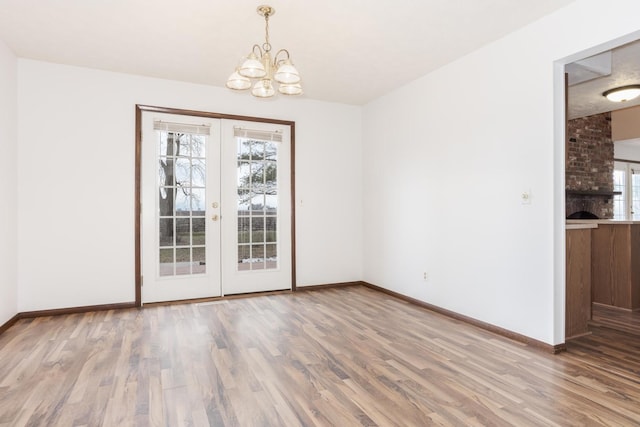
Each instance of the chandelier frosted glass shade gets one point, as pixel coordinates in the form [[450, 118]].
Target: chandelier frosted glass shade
[[263, 89], [622, 94], [287, 73], [279, 73], [238, 82], [292, 89], [252, 68]]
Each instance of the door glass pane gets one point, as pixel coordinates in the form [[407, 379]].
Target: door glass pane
[[271, 256], [257, 204], [183, 258], [181, 196], [182, 201], [183, 231], [619, 205], [635, 194], [244, 257], [183, 172], [198, 144], [270, 229], [197, 201], [243, 229], [166, 231], [198, 231], [199, 260], [257, 150], [257, 257], [257, 229], [166, 262], [199, 175]]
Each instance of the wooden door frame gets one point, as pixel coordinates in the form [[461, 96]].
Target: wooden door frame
[[138, 181]]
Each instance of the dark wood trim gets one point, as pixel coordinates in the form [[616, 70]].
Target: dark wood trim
[[76, 310], [183, 112], [214, 299], [137, 206], [329, 286], [138, 180], [566, 120], [480, 324], [603, 193], [9, 323], [293, 205], [613, 307], [626, 161]]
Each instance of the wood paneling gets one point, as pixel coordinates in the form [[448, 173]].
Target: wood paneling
[[634, 260], [344, 356], [615, 265], [578, 283]]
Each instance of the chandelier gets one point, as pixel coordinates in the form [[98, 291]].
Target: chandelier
[[259, 66]]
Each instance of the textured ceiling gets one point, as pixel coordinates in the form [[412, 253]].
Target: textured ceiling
[[585, 99], [349, 51]]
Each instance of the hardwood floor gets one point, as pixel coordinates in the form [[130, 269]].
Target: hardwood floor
[[616, 318], [332, 357]]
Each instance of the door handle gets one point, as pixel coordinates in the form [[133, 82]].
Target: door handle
[[214, 218]]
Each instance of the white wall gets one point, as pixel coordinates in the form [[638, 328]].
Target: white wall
[[8, 184], [76, 180], [625, 124], [627, 150], [447, 158]]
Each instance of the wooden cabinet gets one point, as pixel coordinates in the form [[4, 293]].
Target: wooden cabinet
[[615, 265], [578, 282]]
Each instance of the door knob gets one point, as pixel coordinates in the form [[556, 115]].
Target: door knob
[[214, 218]]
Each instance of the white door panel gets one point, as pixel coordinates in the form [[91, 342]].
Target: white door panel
[[256, 212], [180, 189], [216, 207]]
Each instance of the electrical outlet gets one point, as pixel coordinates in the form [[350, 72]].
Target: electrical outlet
[[425, 276]]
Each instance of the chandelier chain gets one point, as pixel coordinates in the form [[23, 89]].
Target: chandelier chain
[[266, 46]]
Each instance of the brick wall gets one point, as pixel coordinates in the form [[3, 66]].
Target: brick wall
[[590, 164]]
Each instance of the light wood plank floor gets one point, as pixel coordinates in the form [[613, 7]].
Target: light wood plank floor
[[333, 357]]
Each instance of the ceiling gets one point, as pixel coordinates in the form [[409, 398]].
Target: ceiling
[[585, 99], [348, 51]]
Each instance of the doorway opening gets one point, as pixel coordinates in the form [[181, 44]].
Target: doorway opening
[[596, 188]]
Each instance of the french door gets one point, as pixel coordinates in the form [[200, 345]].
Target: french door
[[216, 207]]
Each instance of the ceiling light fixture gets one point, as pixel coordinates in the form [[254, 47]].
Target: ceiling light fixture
[[259, 65], [622, 94]]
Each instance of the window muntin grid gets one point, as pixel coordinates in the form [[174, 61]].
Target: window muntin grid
[[181, 203], [257, 201]]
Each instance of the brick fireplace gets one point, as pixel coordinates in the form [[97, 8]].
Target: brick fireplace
[[589, 167]]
